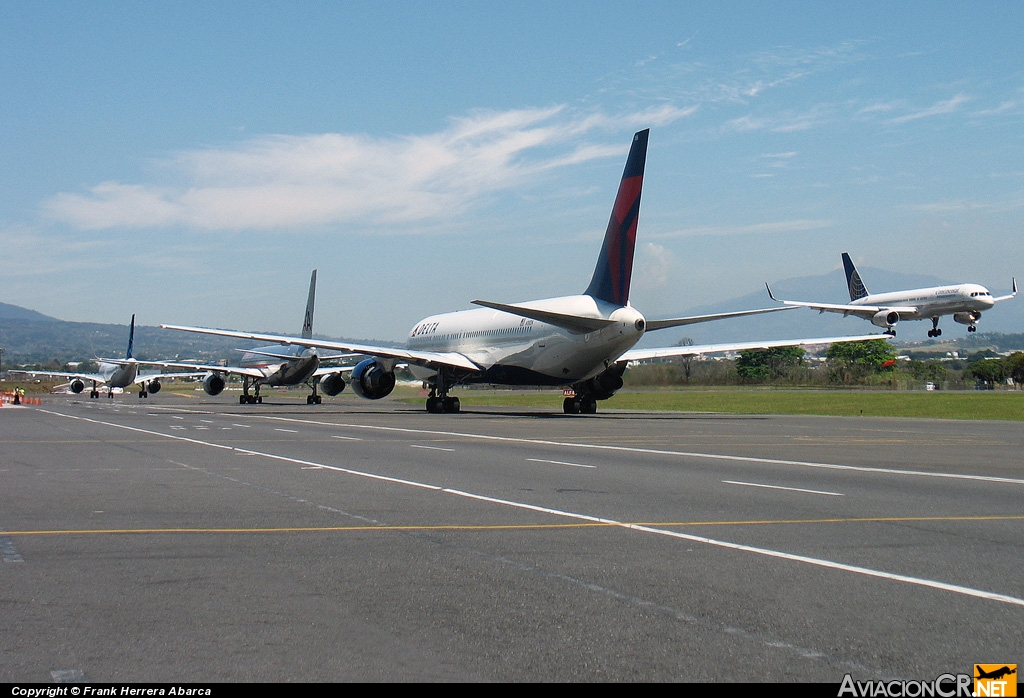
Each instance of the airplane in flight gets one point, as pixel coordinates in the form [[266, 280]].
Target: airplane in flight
[[274, 365], [116, 373], [582, 342], [965, 302]]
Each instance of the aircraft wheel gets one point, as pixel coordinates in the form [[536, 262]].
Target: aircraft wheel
[[319, 400], [259, 400], [571, 405], [588, 406], [452, 405], [309, 399], [972, 328]]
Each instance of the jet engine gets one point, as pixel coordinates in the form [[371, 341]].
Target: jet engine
[[154, 386], [332, 384], [77, 386], [885, 318], [372, 380], [603, 385], [967, 318], [213, 384]]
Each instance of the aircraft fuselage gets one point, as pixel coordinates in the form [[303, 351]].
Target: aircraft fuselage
[[514, 350]]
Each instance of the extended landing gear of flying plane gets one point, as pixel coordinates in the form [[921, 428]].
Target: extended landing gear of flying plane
[[935, 331], [972, 328], [579, 405]]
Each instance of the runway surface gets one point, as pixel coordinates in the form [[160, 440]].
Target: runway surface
[[175, 540]]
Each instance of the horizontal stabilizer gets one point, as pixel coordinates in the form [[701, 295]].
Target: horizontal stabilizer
[[573, 323], [694, 319]]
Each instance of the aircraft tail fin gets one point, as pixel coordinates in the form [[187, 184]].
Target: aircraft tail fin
[[307, 321], [853, 280], [131, 338], [615, 264]]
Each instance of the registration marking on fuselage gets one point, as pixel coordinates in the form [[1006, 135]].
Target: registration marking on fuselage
[[780, 487]]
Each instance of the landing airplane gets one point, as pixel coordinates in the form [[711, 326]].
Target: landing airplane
[[964, 302], [580, 342], [116, 373], [274, 365]]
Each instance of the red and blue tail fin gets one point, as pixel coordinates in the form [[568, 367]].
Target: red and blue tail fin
[[615, 265]]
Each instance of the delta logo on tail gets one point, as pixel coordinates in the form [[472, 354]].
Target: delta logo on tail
[[614, 269]]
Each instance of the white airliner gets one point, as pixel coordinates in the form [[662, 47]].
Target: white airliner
[[115, 373], [274, 365], [964, 302], [580, 342]]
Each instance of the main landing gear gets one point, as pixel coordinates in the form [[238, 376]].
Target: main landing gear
[[439, 402], [579, 405], [245, 398], [313, 399], [936, 332]]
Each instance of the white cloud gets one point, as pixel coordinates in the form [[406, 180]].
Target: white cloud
[[776, 227], [945, 107], [280, 181]]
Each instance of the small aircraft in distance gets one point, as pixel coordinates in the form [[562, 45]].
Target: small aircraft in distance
[[116, 373], [965, 302], [582, 343], [274, 365]]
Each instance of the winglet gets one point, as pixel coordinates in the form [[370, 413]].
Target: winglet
[[770, 294], [131, 338], [615, 264], [307, 321], [1006, 298]]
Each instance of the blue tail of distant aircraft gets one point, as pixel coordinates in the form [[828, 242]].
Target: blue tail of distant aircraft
[[131, 338], [853, 281], [307, 321], [615, 265]]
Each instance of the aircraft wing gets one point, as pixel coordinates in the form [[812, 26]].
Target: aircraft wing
[[420, 358], [142, 378], [694, 319], [1006, 298], [697, 349], [94, 377], [288, 357], [862, 311], [205, 368]]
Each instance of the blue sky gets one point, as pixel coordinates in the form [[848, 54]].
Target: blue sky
[[192, 162]]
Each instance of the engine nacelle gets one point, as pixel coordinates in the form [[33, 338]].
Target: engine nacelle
[[372, 380], [332, 384], [77, 386], [603, 385], [885, 318], [213, 384], [154, 386], [967, 318]]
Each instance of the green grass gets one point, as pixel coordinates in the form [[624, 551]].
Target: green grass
[[1007, 405]]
